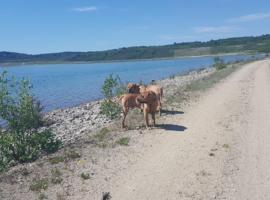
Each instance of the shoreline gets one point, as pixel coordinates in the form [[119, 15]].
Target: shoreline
[[74, 122], [16, 64]]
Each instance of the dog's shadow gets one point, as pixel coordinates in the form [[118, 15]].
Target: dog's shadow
[[172, 112], [172, 127]]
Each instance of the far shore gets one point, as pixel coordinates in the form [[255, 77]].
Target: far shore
[[13, 64]]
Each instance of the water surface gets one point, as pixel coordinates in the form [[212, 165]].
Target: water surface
[[66, 85]]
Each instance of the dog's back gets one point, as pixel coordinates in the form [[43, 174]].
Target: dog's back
[[129, 101]]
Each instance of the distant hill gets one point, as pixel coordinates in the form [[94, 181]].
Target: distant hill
[[252, 44]]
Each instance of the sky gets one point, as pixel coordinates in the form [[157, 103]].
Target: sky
[[46, 26]]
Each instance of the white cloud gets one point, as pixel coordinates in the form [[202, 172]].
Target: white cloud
[[85, 9], [251, 17], [215, 29]]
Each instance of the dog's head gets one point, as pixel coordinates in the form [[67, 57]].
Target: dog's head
[[133, 88], [147, 97]]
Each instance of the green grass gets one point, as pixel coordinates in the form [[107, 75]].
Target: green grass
[[57, 159], [40, 184], [56, 177], [101, 135], [124, 141], [72, 155], [208, 82]]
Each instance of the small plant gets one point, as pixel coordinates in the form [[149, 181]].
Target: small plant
[[112, 87], [110, 109], [85, 176], [42, 196], [102, 134], [124, 141], [219, 63], [38, 185], [25, 171], [226, 146], [73, 155], [56, 176], [57, 159]]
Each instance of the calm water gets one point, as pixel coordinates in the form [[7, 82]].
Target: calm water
[[66, 85]]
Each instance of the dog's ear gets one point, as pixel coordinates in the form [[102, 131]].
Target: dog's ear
[[129, 85]]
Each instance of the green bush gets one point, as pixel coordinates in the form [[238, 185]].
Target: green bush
[[110, 109], [20, 140], [219, 63], [112, 87]]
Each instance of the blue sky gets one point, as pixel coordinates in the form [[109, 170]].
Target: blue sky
[[39, 26]]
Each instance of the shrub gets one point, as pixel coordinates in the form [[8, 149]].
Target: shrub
[[21, 141], [112, 87], [219, 63], [110, 109]]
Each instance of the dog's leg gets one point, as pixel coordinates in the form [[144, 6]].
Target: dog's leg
[[159, 108], [125, 112], [153, 118], [145, 112]]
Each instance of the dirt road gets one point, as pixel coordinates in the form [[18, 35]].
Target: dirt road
[[217, 149]]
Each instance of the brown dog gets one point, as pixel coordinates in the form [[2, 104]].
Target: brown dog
[[149, 99], [158, 91], [129, 101], [133, 88]]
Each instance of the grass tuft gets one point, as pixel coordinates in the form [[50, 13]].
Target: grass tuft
[[38, 185], [72, 155], [57, 159], [85, 176], [124, 141]]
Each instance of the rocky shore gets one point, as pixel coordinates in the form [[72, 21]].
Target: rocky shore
[[73, 123]]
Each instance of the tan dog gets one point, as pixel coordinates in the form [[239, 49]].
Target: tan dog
[[149, 99], [133, 88], [157, 90], [129, 101]]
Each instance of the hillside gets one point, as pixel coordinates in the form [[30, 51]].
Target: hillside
[[258, 44]]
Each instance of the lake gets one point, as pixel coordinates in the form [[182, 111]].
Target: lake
[[67, 85]]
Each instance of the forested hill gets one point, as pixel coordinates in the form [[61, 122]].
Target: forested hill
[[231, 45]]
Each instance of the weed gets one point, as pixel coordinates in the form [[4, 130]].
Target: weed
[[219, 63], [57, 159], [124, 141], [40, 184], [85, 176], [72, 155], [25, 171], [56, 176], [42, 196], [102, 134]]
